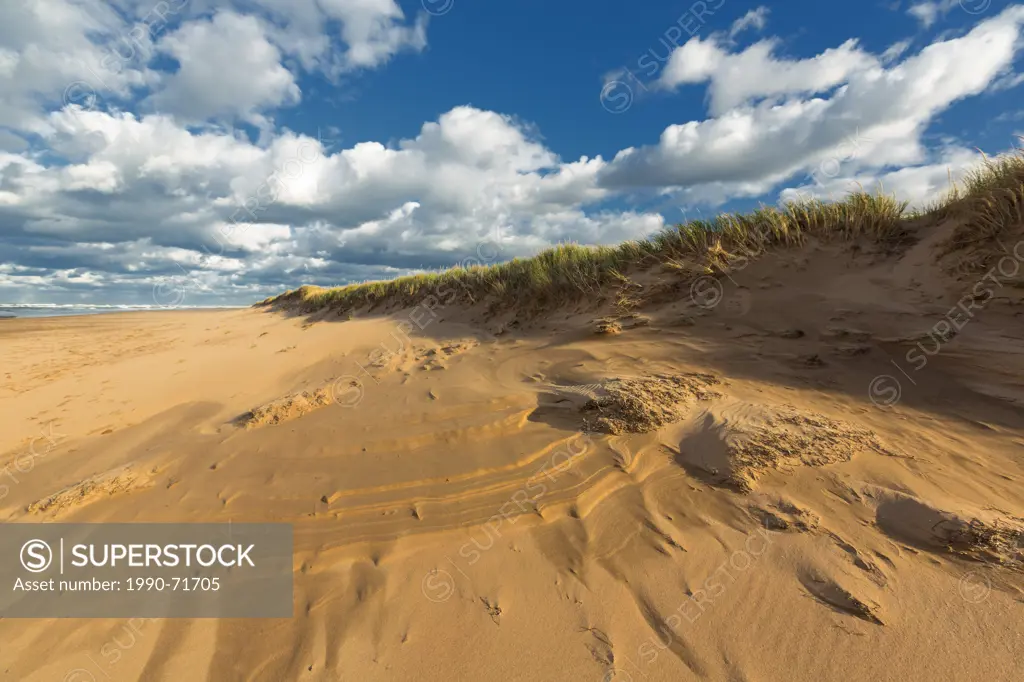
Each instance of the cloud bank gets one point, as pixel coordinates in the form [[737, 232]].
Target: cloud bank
[[120, 176]]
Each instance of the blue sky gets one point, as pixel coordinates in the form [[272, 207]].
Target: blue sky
[[196, 152], [544, 62]]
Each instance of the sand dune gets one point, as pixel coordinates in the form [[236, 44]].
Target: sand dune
[[772, 487]]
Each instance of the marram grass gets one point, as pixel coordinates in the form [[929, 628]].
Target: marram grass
[[987, 203]]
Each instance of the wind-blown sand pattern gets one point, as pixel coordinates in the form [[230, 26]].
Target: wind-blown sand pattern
[[746, 491]]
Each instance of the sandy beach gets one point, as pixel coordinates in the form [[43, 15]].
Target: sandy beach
[[763, 483], [523, 341]]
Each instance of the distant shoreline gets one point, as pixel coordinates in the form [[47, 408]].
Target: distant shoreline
[[18, 311]]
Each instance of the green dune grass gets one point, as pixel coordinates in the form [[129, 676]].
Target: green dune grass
[[987, 203]]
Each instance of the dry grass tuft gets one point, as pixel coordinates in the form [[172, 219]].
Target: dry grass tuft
[[989, 207]]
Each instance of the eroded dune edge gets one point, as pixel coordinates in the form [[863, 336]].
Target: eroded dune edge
[[798, 461]]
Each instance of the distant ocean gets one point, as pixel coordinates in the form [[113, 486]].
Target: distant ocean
[[9, 310]]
